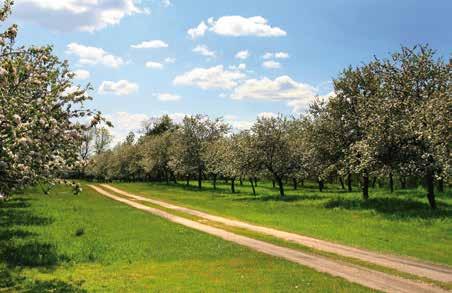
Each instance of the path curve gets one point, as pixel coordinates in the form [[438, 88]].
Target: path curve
[[363, 276], [415, 267]]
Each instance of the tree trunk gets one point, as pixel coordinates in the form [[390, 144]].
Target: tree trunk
[[321, 184], [255, 181], [302, 182], [215, 182], [342, 182], [233, 185], [430, 189], [349, 182], [295, 183], [188, 180], [441, 185], [241, 181], [273, 183], [281, 187], [402, 183], [391, 183], [374, 180], [365, 187], [252, 186], [199, 178]]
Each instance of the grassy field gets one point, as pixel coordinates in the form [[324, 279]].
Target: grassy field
[[399, 223], [67, 243]]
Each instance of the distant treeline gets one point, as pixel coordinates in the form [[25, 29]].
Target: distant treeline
[[389, 118]]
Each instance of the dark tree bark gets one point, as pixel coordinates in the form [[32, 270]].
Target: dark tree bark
[[302, 182], [241, 181], [349, 182], [441, 185], [215, 181], [321, 185], [342, 182], [365, 187], [391, 183], [255, 181], [188, 180], [374, 180], [233, 185], [273, 183], [402, 182], [295, 183], [281, 187], [252, 186], [199, 178], [430, 189]]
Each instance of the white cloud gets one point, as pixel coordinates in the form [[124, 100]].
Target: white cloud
[[203, 50], [277, 55], [83, 15], [167, 97], [93, 55], [170, 60], [152, 44], [241, 26], [166, 3], [123, 123], [119, 88], [242, 54], [81, 74], [270, 64], [209, 78], [301, 104], [267, 115], [282, 88], [198, 31], [281, 55], [241, 66], [154, 65]]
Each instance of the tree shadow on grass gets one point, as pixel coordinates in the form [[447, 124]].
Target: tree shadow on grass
[[393, 207], [19, 249], [287, 198]]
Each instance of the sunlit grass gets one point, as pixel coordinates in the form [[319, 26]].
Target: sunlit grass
[[68, 243], [400, 223]]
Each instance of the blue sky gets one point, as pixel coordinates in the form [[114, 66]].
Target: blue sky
[[293, 49]]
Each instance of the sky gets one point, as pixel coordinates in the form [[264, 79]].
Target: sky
[[232, 59]]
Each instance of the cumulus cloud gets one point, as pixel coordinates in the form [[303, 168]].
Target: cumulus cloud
[[242, 55], [154, 65], [167, 97], [82, 15], [152, 44], [203, 50], [277, 55], [301, 104], [93, 55], [237, 124], [124, 123], [119, 88], [198, 31], [282, 88], [166, 3], [270, 64], [210, 78], [267, 115], [170, 60], [241, 66], [81, 74], [237, 26]]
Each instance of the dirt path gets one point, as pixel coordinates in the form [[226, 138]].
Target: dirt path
[[415, 267], [366, 277]]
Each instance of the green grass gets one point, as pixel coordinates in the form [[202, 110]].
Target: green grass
[[67, 243], [399, 223]]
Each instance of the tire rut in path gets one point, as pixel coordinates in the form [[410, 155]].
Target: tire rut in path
[[352, 273], [410, 266]]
